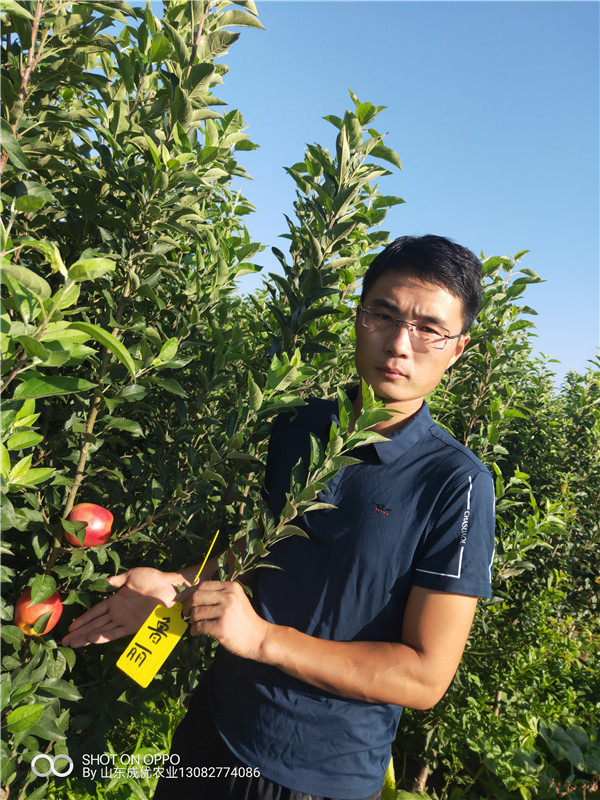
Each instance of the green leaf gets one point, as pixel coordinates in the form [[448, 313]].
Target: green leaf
[[256, 396], [38, 287], [47, 728], [26, 414], [70, 656], [562, 746], [386, 201], [42, 587], [51, 385], [36, 475], [389, 783], [41, 793], [236, 17], [18, 441], [12, 634], [34, 196], [153, 152], [67, 296], [4, 461], [317, 452], [90, 268], [20, 469], [160, 47], [13, 149], [345, 409], [39, 626], [354, 131], [493, 434], [134, 392], [170, 385], [28, 203], [23, 718], [169, 349], [50, 251], [123, 424], [15, 9], [61, 688], [63, 333], [178, 43], [22, 693], [335, 121], [368, 419], [32, 347], [292, 530], [386, 154], [109, 341]]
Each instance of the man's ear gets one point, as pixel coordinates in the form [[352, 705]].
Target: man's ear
[[462, 342]]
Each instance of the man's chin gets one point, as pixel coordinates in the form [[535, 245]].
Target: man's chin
[[389, 391], [388, 398]]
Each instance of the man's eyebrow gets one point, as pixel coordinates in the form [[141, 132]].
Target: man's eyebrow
[[383, 303]]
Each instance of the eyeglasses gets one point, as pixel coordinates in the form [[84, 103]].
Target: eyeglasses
[[427, 333]]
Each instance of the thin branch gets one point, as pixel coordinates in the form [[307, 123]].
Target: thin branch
[[198, 38]]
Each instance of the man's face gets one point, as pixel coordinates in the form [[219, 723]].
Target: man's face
[[401, 370]]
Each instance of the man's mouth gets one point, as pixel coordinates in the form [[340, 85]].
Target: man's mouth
[[390, 373]]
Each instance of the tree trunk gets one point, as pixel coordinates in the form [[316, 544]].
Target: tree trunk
[[421, 780]]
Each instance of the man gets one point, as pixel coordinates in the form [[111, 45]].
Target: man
[[372, 611]]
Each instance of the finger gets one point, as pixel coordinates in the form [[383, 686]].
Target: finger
[[205, 612], [108, 634], [202, 598], [205, 627], [181, 597], [90, 615], [93, 628], [99, 636], [116, 581], [217, 586]]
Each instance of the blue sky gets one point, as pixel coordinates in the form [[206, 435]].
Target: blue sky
[[493, 108]]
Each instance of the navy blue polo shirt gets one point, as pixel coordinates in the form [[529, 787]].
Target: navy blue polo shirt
[[417, 510]]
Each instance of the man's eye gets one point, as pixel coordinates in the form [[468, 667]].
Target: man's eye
[[429, 330], [383, 317]]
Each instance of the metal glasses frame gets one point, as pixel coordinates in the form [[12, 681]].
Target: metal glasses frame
[[412, 329]]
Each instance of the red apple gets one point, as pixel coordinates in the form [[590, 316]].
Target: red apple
[[99, 522], [26, 615]]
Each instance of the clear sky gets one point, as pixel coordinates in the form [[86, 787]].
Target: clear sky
[[493, 108]]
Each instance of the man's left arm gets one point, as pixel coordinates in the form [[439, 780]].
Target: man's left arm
[[415, 672]]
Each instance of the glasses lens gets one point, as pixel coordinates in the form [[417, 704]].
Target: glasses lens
[[432, 337], [376, 321], [382, 321]]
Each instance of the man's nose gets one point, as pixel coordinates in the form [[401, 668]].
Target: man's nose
[[399, 340]]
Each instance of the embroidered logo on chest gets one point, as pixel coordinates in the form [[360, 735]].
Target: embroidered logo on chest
[[381, 509]]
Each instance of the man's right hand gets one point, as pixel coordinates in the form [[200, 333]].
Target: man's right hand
[[139, 591]]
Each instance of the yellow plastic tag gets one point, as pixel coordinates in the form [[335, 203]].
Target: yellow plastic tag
[[157, 637]]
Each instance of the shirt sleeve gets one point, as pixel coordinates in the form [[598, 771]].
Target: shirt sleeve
[[458, 552]]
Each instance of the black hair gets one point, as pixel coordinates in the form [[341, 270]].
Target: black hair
[[437, 260]]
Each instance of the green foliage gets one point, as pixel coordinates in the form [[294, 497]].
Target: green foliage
[[121, 235], [134, 377], [131, 376]]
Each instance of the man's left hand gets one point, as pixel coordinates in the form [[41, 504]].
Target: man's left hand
[[222, 609]]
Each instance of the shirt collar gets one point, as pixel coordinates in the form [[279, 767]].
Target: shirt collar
[[403, 439]]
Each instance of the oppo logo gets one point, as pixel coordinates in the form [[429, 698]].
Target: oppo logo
[[52, 768]]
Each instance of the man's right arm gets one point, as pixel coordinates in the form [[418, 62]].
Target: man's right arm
[[139, 590]]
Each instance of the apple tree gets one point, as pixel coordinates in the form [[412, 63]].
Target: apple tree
[[132, 378]]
